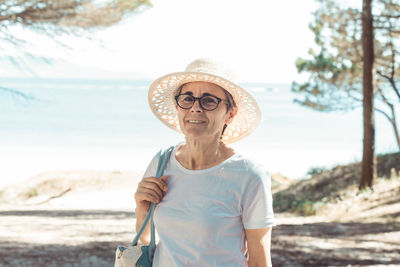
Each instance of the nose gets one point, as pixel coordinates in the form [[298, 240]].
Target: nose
[[196, 106]]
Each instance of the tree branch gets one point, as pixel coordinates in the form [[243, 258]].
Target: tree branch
[[391, 81], [383, 113], [392, 49], [385, 100], [18, 93], [72, 13], [389, 16]]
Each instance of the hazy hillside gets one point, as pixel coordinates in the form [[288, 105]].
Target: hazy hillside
[[339, 186]]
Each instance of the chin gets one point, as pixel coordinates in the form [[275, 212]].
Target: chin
[[193, 135], [199, 135]]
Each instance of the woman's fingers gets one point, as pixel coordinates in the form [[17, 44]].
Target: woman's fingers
[[147, 195], [151, 189], [161, 182], [164, 179]]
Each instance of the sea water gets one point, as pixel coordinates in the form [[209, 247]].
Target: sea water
[[107, 125]]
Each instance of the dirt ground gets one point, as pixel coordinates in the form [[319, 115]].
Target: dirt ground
[[83, 227], [312, 241], [82, 237]]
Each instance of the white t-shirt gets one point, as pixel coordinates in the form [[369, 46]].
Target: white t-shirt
[[201, 220]]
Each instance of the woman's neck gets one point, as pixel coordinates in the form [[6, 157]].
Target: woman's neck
[[201, 154]]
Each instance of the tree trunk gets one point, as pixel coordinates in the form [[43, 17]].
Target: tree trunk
[[368, 171]]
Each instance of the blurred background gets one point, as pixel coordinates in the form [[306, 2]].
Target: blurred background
[[76, 132], [81, 100]]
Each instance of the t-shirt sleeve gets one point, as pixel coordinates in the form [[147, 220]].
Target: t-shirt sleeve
[[257, 209], [152, 168]]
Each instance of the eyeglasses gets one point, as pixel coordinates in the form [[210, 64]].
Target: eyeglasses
[[206, 101]]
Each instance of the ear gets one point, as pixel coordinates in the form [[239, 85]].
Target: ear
[[232, 113]]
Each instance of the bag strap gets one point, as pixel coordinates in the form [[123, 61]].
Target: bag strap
[[162, 162]]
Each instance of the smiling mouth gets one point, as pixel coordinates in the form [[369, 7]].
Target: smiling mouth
[[195, 121]]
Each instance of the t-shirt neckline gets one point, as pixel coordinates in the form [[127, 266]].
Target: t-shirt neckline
[[181, 167]]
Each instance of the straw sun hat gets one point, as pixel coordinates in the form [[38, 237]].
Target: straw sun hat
[[162, 102]]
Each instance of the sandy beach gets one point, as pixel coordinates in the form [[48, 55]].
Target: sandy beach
[[70, 218], [78, 218]]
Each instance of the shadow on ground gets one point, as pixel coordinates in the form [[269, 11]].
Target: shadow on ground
[[29, 254], [336, 244], [90, 237]]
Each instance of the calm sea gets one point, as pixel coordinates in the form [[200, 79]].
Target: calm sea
[[107, 125]]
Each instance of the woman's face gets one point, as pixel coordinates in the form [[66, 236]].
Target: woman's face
[[197, 123]]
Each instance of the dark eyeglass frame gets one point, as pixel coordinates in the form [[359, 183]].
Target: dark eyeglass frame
[[219, 100]]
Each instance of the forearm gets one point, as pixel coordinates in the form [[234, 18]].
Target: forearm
[[265, 262], [259, 247], [140, 215]]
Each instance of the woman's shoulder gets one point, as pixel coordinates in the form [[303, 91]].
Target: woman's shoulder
[[247, 167], [152, 167], [171, 149]]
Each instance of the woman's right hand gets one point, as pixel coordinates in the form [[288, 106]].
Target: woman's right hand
[[150, 189]]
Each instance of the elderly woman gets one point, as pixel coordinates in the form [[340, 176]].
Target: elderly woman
[[214, 205]]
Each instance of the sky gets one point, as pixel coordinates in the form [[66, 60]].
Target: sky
[[259, 39]]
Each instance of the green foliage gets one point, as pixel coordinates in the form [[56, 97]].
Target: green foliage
[[316, 170], [32, 193], [335, 65], [335, 70], [321, 62], [337, 33], [303, 205], [326, 186], [306, 207], [54, 18], [388, 165], [70, 13]]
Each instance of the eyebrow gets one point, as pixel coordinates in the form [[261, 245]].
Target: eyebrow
[[191, 93]]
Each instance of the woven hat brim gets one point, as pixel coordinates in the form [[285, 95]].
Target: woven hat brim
[[161, 100]]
